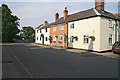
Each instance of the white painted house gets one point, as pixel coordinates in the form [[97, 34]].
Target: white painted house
[[42, 34], [93, 29], [37, 34]]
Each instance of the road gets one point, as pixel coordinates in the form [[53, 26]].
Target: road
[[23, 60]]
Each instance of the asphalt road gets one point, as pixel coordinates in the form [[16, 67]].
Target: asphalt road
[[21, 60]]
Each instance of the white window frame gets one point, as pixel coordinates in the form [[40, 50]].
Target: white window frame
[[111, 24], [71, 39], [54, 38], [54, 28], [61, 27], [86, 39], [110, 37], [72, 26], [60, 38]]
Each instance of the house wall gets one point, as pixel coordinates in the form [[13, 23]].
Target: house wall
[[105, 30], [46, 34], [83, 27], [57, 33], [37, 34]]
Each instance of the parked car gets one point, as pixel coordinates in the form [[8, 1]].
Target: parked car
[[116, 47]]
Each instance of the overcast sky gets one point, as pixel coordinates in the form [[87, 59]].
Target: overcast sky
[[35, 13]]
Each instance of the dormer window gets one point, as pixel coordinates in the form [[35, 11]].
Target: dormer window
[[111, 23], [72, 26]]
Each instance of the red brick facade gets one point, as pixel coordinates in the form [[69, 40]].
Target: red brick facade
[[59, 32]]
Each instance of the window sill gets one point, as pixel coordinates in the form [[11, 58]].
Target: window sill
[[60, 41]]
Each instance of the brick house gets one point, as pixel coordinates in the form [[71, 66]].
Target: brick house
[[58, 31]]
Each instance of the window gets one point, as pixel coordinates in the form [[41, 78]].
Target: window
[[54, 28], [117, 23], [110, 38], [40, 30], [54, 38], [37, 38], [119, 37], [71, 39], [40, 38], [86, 39], [72, 26], [61, 27], [46, 29], [60, 38], [46, 38], [37, 31], [111, 23]]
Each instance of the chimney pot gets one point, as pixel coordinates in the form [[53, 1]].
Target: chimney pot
[[65, 12], [56, 16], [45, 22], [99, 4]]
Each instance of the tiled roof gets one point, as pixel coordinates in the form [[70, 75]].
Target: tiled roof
[[86, 14], [46, 26], [82, 15], [39, 26]]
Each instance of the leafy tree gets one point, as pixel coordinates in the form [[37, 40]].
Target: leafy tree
[[28, 33], [10, 24]]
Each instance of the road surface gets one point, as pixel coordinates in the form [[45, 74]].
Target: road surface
[[23, 60]]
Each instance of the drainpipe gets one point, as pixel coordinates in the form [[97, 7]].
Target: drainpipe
[[115, 31], [63, 41]]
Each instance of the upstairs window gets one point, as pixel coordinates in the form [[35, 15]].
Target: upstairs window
[[86, 39], [40, 30], [111, 25], [46, 39], [72, 26], [60, 38], [61, 27], [110, 38], [46, 29], [54, 38], [54, 28]]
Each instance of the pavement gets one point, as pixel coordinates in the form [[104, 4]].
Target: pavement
[[29, 60], [78, 51]]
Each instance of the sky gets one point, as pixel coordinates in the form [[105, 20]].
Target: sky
[[35, 13]]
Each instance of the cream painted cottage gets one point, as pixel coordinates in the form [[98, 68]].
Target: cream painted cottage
[[94, 29]]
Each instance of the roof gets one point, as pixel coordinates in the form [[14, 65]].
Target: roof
[[46, 26], [39, 26], [82, 15], [86, 14]]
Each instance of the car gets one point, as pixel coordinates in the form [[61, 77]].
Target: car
[[116, 47]]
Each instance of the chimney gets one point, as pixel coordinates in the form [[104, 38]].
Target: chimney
[[65, 12], [99, 4], [45, 22], [56, 16]]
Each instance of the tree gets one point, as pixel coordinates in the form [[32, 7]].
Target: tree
[[28, 33], [10, 24]]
